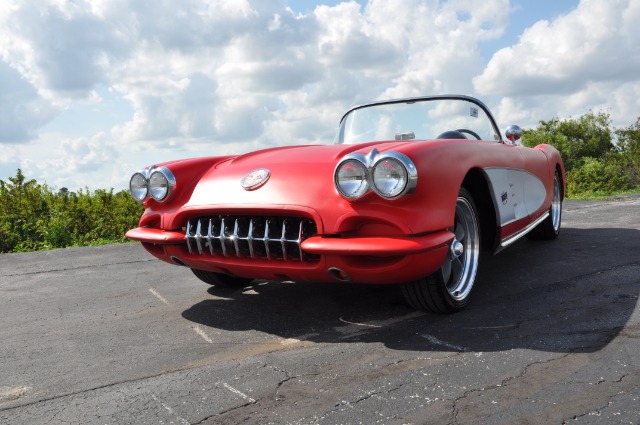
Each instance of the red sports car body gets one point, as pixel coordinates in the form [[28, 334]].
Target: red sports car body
[[410, 193]]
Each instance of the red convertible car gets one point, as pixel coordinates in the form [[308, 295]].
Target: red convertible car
[[409, 194]]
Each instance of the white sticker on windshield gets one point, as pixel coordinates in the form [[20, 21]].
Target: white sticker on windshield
[[474, 112]]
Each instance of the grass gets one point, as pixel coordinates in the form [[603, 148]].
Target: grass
[[604, 196]]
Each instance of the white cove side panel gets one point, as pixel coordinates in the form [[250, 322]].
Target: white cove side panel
[[516, 193]]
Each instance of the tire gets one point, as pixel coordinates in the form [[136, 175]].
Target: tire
[[449, 289], [549, 229], [221, 280]]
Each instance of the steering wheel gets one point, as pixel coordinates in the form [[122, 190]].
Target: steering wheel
[[473, 133]]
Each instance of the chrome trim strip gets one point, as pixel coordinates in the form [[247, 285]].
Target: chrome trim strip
[[511, 239]]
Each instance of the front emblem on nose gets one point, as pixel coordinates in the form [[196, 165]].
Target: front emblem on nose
[[255, 179]]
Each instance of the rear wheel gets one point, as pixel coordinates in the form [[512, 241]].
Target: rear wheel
[[550, 227], [448, 290], [221, 280]]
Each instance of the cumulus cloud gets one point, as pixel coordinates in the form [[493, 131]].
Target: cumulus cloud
[[226, 76], [588, 58]]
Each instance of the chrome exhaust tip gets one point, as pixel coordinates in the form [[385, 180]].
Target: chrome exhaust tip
[[178, 261], [338, 274]]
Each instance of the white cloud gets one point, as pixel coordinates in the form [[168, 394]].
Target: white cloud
[[226, 76], [586, 59]]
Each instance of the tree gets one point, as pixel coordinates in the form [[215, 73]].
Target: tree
[[588, 136], [629, 146], [34, 217]]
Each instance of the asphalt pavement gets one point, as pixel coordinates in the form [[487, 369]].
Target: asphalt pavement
[[110, 335]]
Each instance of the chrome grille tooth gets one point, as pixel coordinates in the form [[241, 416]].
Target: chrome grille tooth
[[209, 236], [265, 240], [188, 237], [235, 238], [223, 243], [299, 241], [283, 239], [199, 237], [250, 238]]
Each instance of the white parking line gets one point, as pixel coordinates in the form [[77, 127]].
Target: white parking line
[[170, 410], [196, 328], [158, 296], [238, 392], [9, 393], [202, 333]]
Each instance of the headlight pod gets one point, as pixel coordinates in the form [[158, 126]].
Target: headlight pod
[[390, 174], [156, 182]]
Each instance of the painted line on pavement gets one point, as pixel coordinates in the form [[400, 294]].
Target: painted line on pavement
[[170, 410], [158, 296], [238, 392]]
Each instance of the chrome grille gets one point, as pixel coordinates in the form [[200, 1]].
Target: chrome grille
[[271, 238]]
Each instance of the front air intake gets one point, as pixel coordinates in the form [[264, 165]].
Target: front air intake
[[270, 238]]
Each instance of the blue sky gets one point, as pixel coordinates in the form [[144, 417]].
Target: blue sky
[[94, 90]]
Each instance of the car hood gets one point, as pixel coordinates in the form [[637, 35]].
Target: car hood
[[299, 176]]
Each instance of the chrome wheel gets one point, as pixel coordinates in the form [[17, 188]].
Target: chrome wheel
[[556, 205], [549, 229], [449, 289], [461, 265]]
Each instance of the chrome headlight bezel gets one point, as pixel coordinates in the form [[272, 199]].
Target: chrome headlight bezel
[[139, 189], [160, 183], [407, 168], [389, 184], [370, 164], [342, 185]]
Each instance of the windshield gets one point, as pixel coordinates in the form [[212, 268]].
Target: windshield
[[418, 119]]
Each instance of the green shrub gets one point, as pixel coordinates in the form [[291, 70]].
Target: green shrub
[[35, 217]]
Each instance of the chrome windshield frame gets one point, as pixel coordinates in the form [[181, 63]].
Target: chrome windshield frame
[[473, 100]]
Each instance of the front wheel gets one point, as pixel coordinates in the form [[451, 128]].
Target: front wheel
[[221, 280], [448, 290]]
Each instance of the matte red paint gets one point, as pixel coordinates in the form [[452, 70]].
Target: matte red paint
[[373, 240]]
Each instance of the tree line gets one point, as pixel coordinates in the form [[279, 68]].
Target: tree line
[[599, 160], [35, 217]]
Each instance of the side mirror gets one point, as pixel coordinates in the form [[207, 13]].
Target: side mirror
[[513, 133]]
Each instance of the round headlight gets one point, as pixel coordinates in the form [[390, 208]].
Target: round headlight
[[139, 187], [389, 177], [158, 186], [351, 179]]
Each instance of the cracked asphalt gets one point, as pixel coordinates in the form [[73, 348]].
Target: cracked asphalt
[[109, 335]]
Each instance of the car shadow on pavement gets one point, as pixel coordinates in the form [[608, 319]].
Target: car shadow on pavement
[[574, 294]]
